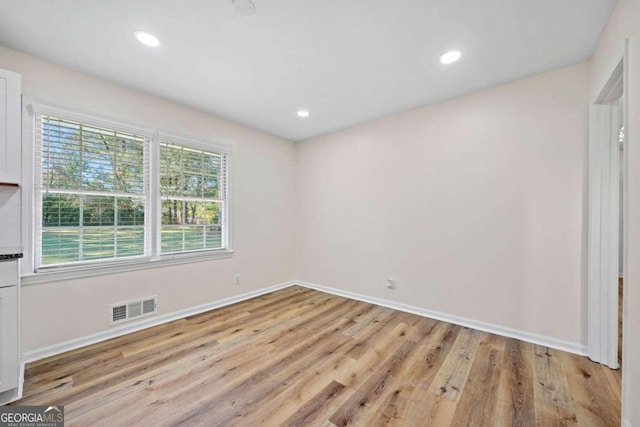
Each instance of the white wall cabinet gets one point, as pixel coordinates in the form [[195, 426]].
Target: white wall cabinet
[[9, 364], [10, 122]]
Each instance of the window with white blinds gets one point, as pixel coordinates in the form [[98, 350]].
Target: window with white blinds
[[99, 197], [193, 197], [92, 192]]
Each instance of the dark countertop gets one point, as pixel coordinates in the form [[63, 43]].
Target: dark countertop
[[11, 252]]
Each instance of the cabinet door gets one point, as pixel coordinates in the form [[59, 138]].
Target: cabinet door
[[9, 370], [8, 273], [10, 127]]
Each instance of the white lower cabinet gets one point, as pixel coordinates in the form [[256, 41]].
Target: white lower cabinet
[[9, 368]]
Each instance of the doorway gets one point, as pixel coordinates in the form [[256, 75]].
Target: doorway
[[606, 243], [621, 227]]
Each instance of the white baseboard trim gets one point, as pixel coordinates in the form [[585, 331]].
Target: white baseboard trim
[[44, 352], [571, 347]]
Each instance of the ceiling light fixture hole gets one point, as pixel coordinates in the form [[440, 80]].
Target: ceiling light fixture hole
[[244, 7]]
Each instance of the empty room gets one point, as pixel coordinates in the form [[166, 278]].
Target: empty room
[[319, 213]]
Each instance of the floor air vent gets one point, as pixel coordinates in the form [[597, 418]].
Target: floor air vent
[[130, 310]]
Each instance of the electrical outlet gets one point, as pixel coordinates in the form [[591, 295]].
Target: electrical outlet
[[391, 283], [237, 279]]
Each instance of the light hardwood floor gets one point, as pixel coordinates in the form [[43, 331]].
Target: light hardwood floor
[[299, 357]]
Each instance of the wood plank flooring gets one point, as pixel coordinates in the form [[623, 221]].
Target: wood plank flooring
[[299, 357]]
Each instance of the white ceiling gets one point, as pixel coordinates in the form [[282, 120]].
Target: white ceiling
[[346, 61]]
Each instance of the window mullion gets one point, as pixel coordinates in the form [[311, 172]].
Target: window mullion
[[184, 225], [81, 229], [183, 188], [80, 186], [204, 204], [115, 227], [204, 226], [153, 197]]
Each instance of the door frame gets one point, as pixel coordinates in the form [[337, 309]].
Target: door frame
[[604, 216]]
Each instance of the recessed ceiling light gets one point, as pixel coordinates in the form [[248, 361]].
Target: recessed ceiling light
[[303, 113], [147, 39], [450, 57]]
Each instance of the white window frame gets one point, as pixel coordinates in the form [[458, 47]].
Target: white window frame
[[156, 197], [152, 257], [37, 193]]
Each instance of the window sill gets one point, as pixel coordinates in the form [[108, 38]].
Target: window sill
[[99, 270]]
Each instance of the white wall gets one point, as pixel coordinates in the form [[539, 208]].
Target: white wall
[[625, 24], [475, 206], [263, 191]]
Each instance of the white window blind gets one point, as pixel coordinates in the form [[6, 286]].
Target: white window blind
[[91, 192], [193, 193]]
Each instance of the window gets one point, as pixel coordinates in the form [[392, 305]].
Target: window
[[107, 193], [192, 190], [92, 192]]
